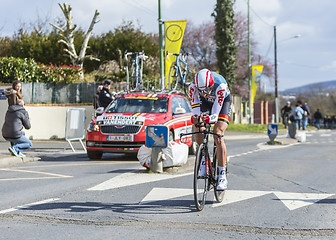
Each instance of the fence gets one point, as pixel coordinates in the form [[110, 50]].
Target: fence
[[35, 92], [263, 112], [63, 93]]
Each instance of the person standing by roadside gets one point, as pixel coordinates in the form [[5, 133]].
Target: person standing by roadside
[[14, 94], [105, 96], [285, 112], [318, 118], [298, 113], [96, 103], [305, 116], [16, 119]]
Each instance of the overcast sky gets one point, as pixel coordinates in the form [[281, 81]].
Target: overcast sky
[[308, 59]]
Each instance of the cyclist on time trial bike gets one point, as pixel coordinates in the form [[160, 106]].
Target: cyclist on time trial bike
[[211, 103]]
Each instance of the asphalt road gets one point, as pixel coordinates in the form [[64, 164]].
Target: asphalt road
[[275, 192]]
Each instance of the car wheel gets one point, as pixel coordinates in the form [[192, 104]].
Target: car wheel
[[94, 155]]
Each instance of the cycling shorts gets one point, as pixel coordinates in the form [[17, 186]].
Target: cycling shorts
[[224, 113]]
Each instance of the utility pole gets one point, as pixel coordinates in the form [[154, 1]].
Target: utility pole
[[162, 84], [249, 63], [276, 79]]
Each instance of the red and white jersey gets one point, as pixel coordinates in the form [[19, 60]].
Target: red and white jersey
[[220, 90]]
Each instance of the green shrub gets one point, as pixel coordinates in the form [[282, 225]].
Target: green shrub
[[17, 69], [27, 70]]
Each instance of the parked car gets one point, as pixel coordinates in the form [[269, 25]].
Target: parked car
[[122, 126]]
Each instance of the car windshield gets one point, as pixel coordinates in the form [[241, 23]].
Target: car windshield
[[138, 105]]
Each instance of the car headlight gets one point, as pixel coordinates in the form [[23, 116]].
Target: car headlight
[[93, 127]]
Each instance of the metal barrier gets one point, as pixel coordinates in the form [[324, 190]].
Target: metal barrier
[[75, 126]]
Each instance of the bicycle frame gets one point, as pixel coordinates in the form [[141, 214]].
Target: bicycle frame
[[137, 84], [182, 71], [210, 177]]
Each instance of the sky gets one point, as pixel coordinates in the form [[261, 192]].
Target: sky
[[309, 58]]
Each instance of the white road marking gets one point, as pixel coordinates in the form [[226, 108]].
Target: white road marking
[[161, 194], [133, 178], [297, 200], [28, 205], [291, 200], [232, 196]]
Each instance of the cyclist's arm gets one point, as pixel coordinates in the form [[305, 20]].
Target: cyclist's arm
[[222, 92], [195, 101]]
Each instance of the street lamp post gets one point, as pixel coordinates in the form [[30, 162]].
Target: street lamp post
[[277, 117], [276, 79]]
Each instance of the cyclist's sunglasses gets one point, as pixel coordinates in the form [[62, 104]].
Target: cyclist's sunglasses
[[205, 91]]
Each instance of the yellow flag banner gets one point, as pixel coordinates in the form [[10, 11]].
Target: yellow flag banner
[[174, 31], [256, 77]]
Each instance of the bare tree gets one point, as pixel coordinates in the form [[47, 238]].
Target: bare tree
[[67, 35], [200, 41]]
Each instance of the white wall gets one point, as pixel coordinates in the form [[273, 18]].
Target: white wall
[[47, 121]]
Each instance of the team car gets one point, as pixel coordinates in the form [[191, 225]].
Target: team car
[[122, 126]]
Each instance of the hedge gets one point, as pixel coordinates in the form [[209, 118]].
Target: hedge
[[27, 70]]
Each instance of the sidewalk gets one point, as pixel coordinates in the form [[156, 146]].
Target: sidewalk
[[40, 149], [55, 148]]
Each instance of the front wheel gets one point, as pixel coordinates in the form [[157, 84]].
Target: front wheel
[[200, 183], [94, 155]]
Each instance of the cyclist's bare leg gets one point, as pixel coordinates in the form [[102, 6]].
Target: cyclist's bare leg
[[220, 128], [198, 137]]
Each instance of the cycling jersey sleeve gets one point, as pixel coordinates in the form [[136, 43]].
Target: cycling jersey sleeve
[[195, 101], [222, 92]]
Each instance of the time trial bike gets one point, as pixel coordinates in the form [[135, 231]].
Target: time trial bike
[[203, 184]]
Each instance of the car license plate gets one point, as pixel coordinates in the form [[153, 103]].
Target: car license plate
[[123, 138]]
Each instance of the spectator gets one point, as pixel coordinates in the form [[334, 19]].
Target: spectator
[[285, 112], [16, 118], [298, 114], [96, 103], [318, 117], [14, 94], [306, 115], [105, 96]]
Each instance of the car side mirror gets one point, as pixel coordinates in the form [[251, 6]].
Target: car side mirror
[[99, 111], [179, 111]]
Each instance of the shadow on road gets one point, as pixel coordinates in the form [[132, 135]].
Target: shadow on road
[[159, 207]]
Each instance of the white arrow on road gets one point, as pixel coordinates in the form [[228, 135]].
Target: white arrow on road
[[232, 196], [291, 200], [133, 178], [297, 200], [161, 194]]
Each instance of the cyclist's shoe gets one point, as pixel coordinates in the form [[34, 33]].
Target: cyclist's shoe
[[202, 170], [222, 180], [222, 184]]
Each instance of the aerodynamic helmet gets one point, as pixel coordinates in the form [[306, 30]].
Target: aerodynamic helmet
[[204, 80]]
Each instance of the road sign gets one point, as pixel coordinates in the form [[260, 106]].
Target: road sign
[[156, 136], [272, 129]]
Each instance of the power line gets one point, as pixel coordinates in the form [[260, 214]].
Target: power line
[[140, 7], [260, 18], [269, 47]]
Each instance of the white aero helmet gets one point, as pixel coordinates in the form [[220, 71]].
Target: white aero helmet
[[204, 80]]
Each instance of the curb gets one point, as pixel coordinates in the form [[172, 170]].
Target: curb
[[12, 160]]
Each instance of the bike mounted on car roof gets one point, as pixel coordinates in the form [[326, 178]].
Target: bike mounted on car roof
[[180, 76], [134, 76]]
